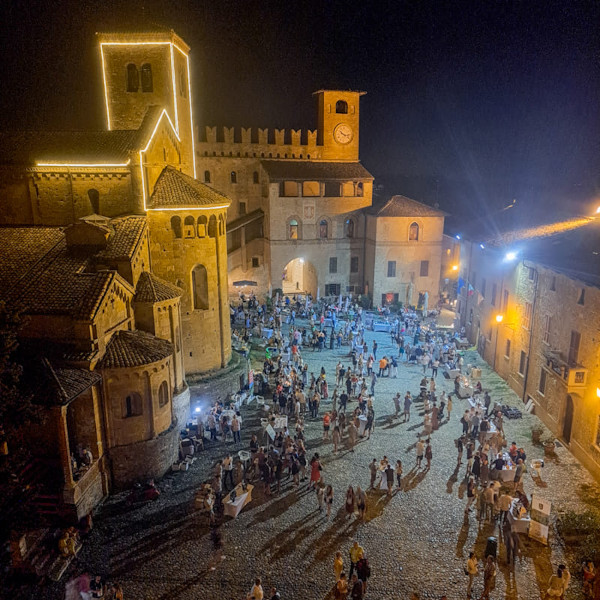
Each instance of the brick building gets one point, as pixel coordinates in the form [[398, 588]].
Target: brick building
[[532, 306]]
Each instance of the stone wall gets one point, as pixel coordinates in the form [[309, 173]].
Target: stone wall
[[218, 385]]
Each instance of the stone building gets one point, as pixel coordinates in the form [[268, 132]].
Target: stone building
[[117, 255], [532, 306]]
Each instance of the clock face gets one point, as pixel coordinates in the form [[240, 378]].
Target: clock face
[[342, 134]]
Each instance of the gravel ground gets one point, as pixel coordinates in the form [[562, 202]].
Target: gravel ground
[[417, 540]]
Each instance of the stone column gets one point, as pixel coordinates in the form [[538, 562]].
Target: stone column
[[60, 414]]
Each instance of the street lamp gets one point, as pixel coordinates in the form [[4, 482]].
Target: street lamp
[[499, 319], [455, 267]]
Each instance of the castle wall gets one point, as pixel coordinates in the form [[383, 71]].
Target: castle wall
[[15, 197]]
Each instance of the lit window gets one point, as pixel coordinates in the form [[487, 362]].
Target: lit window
[[293, 229], [323, 229], [349, 227], [413, 232], [233, 177]]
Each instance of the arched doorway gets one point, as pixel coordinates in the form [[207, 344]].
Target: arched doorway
[[299, 276], [568, 420]]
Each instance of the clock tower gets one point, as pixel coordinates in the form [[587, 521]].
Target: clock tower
[[337, 131]]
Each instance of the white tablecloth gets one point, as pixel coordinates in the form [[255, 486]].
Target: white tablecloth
[[233, 509], [362, 424], [519, 525], [280, 423]]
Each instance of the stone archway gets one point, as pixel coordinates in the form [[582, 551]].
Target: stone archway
[[299, 276]]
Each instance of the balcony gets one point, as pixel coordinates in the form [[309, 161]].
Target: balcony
[[573, 376]]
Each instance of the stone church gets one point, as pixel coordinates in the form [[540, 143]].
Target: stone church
[[122, 246]]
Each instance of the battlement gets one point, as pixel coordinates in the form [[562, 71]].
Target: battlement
[[257, 142]]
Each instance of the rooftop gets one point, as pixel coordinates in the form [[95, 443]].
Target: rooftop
[[401, 206], [151, 288], [134, 349], [279, 170], [174, 188]]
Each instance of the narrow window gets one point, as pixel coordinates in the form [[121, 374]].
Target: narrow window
[[527, 315], [547, 325], [360, 189], [581, 300], [233, 177], [574, 348], [94, 196], [424, 268], [201, 226], [146, 78], [341, 107], [176, 226], [522, 363], [391, 268], [255, 262], [413, 232], [242, 208], [333, 264], [206, 176], [293, 229], [349, 227], [507, 349], [323, 229], [200, 287], [212, 226], [354, 264], [542, 384], [505, 302], [183, 88], [133, 78], [132, 407], [188, 227], [163, 394], [531, 274], [255, 177]]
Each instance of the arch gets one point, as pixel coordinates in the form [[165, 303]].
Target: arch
[[200, 288], [133, 78], [94, 196], [206, 176], [221, 225], [255, 177], [233, 177], [568, 419], [323, 228], [132, 405], [349, 227], [294, 229], [212, 226], [360, 190], [176, 226], [341, 107], [202, 223], [163, 394], [299, 276], [188, 227], [414, 232], [147, 85]]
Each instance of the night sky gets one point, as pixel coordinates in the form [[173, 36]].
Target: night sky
[[469, 104]]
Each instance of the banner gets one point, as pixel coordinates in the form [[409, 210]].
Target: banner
[[540, 518]]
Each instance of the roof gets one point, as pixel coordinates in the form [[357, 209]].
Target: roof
[[62, 384], [151, 288], [134, 349], [174, 188], [141, 32], [32, 147], [401, 206], [245, 220], [314, 170], [128, 233]]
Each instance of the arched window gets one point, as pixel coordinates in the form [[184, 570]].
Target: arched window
[[212, 226], [146, 78], [176, 226], [359, 189], [200, 287], [188, 227], [349, 228], [233, 177], [206, 176], [341, 107], [255, 177], [132, 406], [133, 78], [323, 229], [222, 223], [202, 222], [293, 229], [413, 232], [94, 196], [163, 394]]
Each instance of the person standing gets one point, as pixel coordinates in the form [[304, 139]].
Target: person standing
[[361, 502], [407, 403], [373, 382], [228, 471], [349, 504], [397, 404], [472, 570], [389, 473], [315, 471], [449, 406], [326, 426], [338, 565], [352, 435], [459, 447], [373, 469], [471, 494], [257, 591], [328, 499], [489, 578], [336, 438], [420, 450], [428, 454], [235, 428], [357, 588], [399, 474], [375, 349], [356, 553], [320, 497], [341, 587]]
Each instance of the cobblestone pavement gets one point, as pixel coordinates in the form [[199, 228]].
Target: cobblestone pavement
[[417, 540]]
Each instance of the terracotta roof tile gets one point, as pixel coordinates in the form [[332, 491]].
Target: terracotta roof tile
[[401, 206], [314, 170], [151, 288], [65, 383], [174, 188], [134, 349], [128, 233]]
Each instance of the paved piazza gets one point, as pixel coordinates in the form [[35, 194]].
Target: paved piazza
[[417, 540]]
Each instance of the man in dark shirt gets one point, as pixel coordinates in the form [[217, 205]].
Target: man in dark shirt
[[97, 587], [343, 401], [356, 590]]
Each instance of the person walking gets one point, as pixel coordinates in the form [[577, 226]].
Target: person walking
[[472, 570], [326, 426], [357, 588], [471, 494], [336, 437], [428, 455], [315, 471], [399, 474], [489, 578], [397, 404], [235, 428], [407, 403], [352, 435], [389, 474], [420, 450], [373, 469], [341, 587], [356, 553], [449, 406], [361, 502], [460, 448], [349, 504], [338, 565], [328, 499], [320, 497], [257, 590]]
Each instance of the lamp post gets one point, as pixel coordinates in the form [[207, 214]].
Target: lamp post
[[499, 319]]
